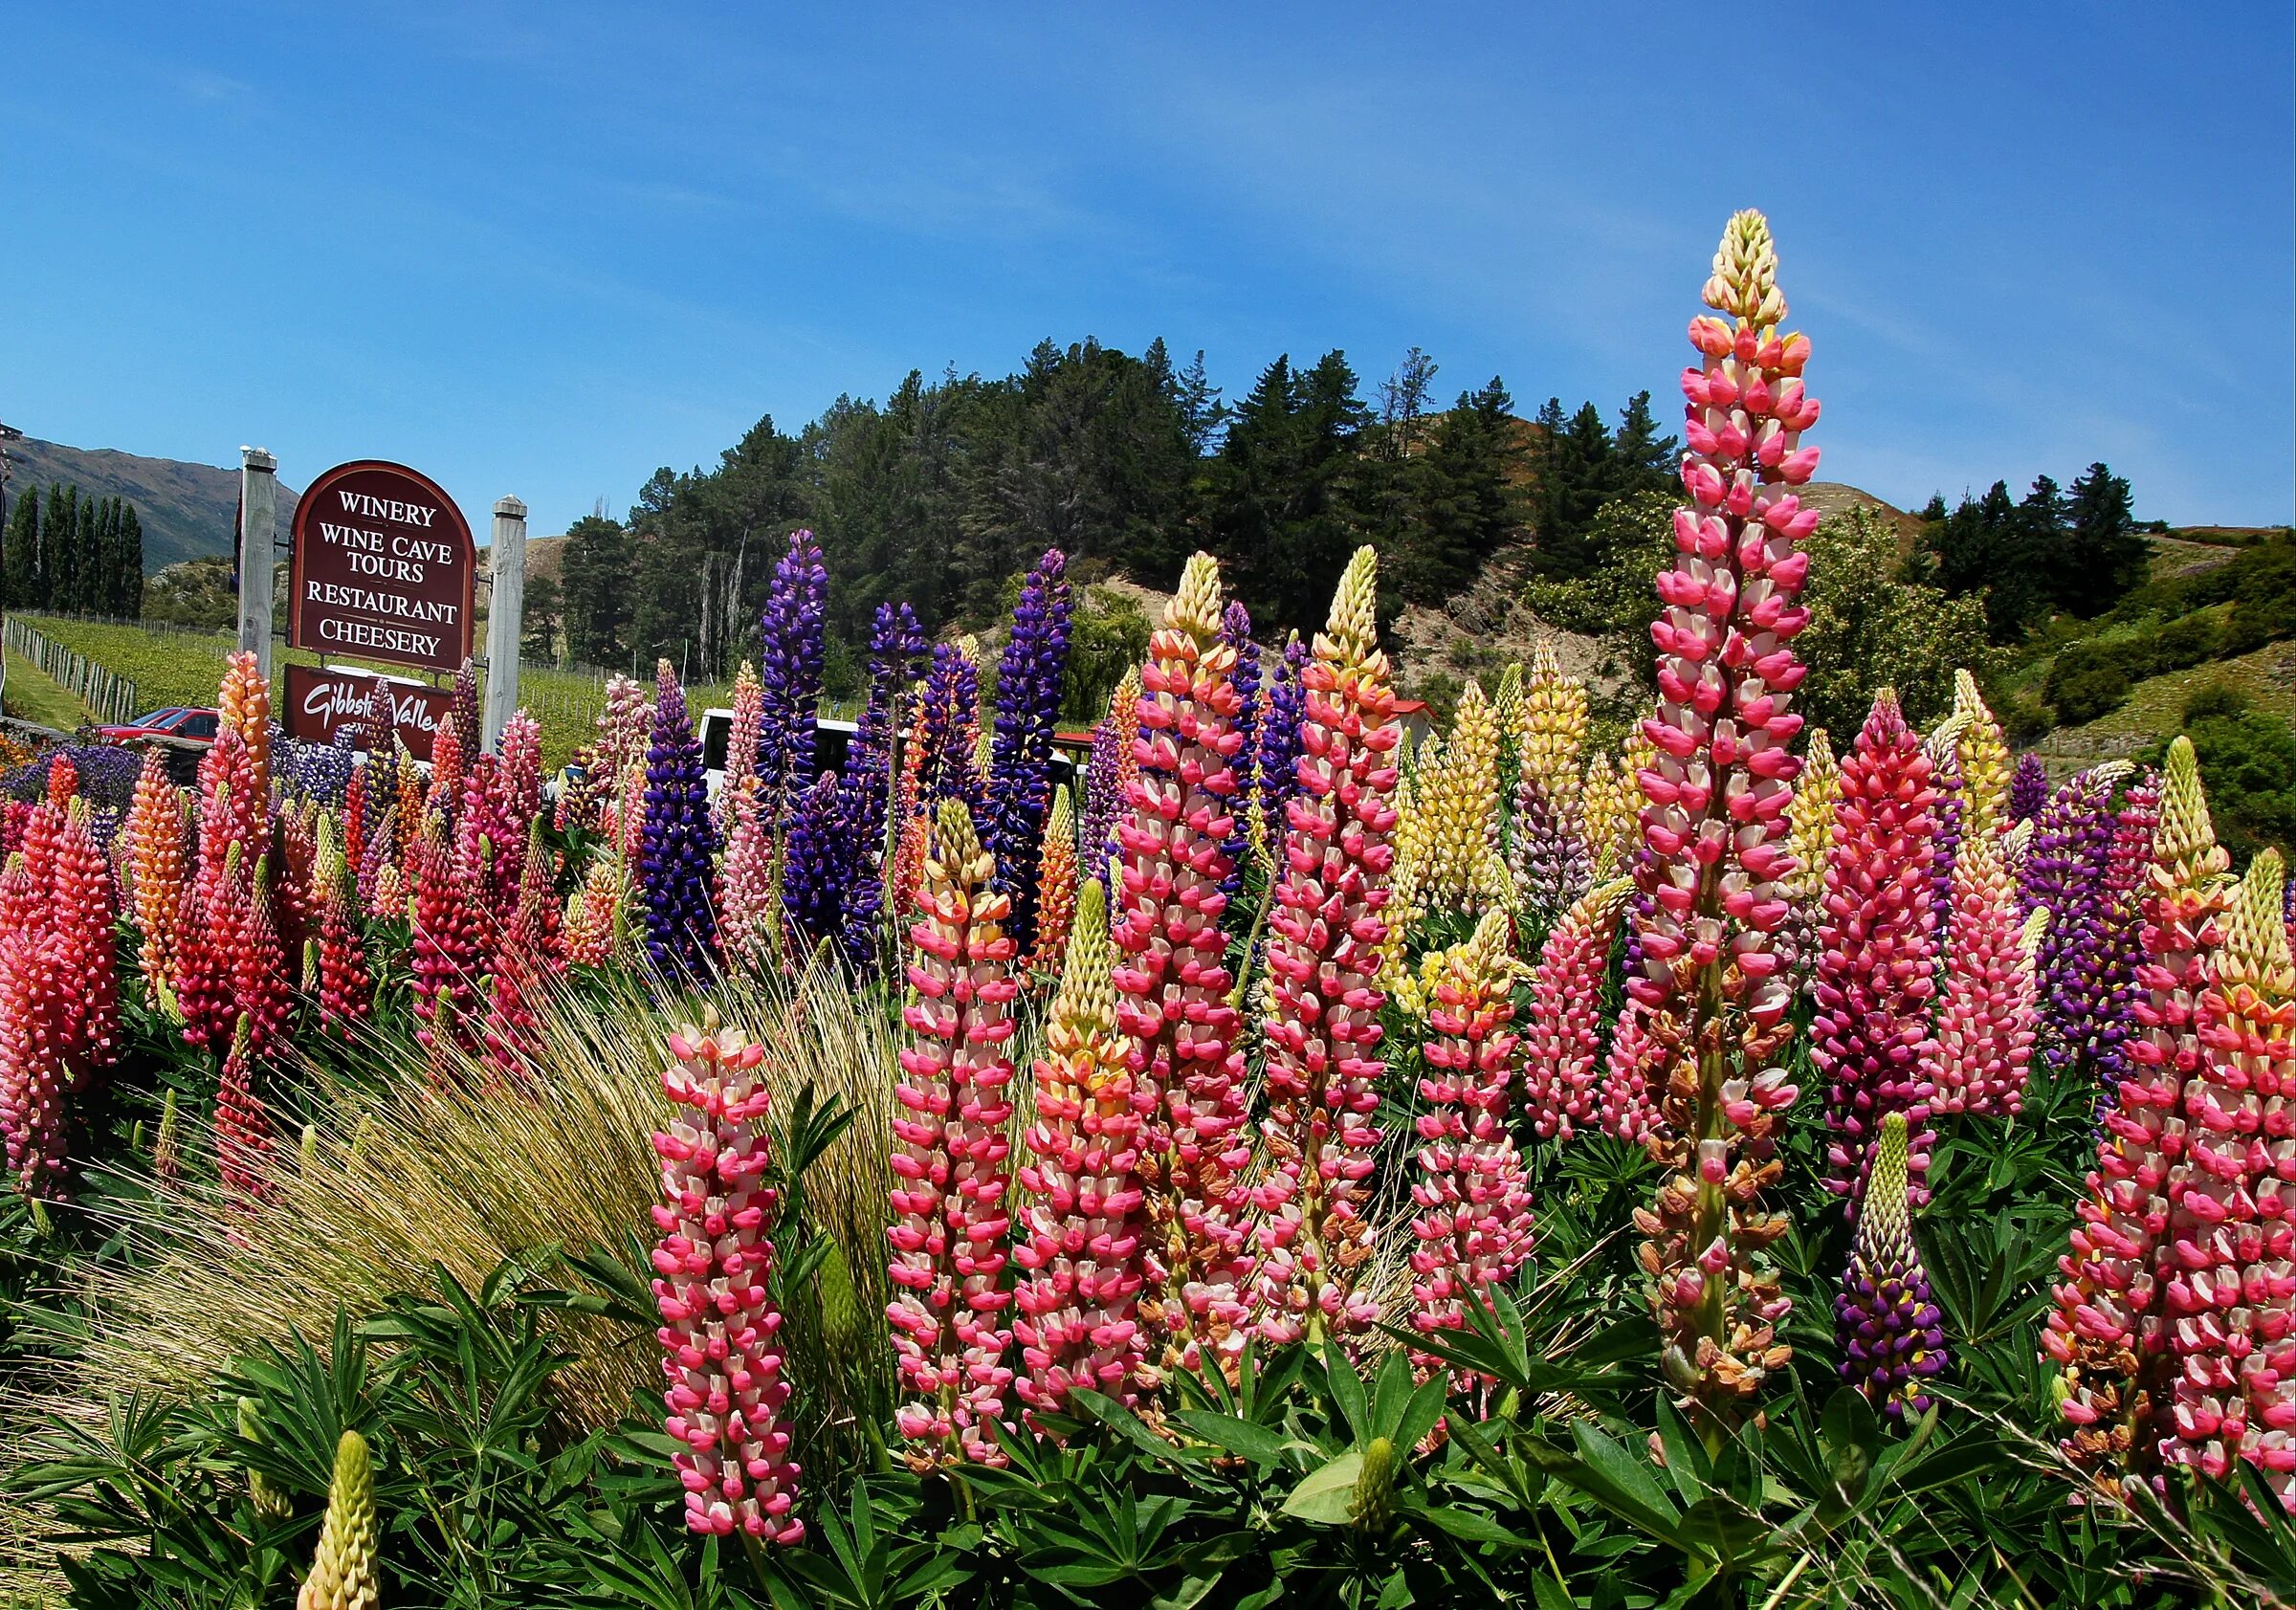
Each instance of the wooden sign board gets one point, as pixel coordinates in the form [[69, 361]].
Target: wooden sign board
[[383, 568], [374, 706]]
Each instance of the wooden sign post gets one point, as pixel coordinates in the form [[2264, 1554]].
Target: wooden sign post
[[503, 610], [258, 518]]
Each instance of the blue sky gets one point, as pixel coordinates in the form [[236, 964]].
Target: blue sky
[[543, 250]]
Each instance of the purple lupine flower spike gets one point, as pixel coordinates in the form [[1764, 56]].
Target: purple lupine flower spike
[[1945, 846], [1892, 1335], [817, 873], [1235, 630], [1019, 755], [896, 644], [789, 669], [2028, 788], [676, 840], [1279, 736], [2087, 974], [946, 725]]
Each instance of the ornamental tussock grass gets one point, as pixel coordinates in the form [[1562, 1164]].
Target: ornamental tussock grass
[[553, 1170]]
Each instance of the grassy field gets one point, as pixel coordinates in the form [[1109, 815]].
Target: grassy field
[[33, 695], [174, 667]]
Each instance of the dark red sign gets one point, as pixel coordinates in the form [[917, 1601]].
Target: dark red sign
[[374, 706], [384, 568]]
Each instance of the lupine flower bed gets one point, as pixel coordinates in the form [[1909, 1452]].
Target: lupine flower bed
[[1295, 1167]]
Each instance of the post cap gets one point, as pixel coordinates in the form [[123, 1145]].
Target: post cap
[[510, 508], [258, 458]]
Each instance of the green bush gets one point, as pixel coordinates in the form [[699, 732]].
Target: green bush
[[2213, 697], [2084, 686], [2183, 643]]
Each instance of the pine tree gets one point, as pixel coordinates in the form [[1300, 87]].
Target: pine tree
[[1577, 475], [595, 578], [20, 566], [2107, 555], [1641, 459]]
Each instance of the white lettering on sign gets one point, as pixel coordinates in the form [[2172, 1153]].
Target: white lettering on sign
[[396, 606], [387, 508], [360, 634], [351, 537]]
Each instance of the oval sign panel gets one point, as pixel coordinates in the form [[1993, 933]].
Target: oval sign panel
[[384, 568]]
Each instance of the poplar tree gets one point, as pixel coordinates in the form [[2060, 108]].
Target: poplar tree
[[20, 569]]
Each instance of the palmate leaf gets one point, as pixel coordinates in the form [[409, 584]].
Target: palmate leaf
[[1261, 1444]]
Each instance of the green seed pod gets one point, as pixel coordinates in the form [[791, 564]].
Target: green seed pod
[[344, 1573], [270, 1499], [1374, 1507]]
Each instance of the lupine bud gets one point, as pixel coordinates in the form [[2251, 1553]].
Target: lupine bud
[[272, 1501], [1565, 1035], [1717, 790], [949, 1157], [346, 1571], [1372, 1506], [1473, 1191], [1322, 1027], [1877, 969], [713, 1268], [1081, 1240], [1892, 1334]]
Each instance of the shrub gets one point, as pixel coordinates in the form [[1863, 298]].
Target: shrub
[[2214, 698], [2083, 687]]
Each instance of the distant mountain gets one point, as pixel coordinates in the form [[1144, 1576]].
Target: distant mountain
[[186, 509]]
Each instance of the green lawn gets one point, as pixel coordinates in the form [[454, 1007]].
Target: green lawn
[[33, 695]]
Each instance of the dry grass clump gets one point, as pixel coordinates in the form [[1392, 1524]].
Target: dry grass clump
[[403, 1174]]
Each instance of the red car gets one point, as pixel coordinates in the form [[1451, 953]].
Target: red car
[[176, 721]]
